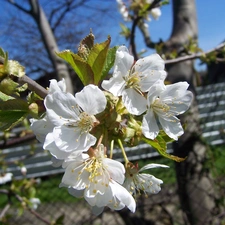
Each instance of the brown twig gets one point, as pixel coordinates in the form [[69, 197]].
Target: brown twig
[[134, 25], [20, 199], [4, 211], [195, 55], [33, 86], [18, 140]]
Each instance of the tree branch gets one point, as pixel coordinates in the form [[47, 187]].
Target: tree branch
[[68, 7], [18, 6], [4, 211], [20, 199], [58, 21], [32, 85], [134, 25], [194, 56], [17, 140], [50, 43], [144, 30]]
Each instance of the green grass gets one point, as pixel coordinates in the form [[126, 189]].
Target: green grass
[[216, 165], [48, 191]]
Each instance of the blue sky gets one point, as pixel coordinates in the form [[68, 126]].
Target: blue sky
[[210, 14], [211, 23]]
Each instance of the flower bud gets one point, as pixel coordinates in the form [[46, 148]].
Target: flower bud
[[23, 170]]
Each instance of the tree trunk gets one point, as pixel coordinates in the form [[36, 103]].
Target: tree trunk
[[50, 44], [195, 185]]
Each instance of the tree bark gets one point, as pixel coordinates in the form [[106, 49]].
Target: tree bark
[[50, 43], [195, 185]]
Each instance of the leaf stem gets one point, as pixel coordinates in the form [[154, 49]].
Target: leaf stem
[[123, 152]]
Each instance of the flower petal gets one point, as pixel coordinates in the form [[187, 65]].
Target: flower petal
[[151, 79], [148, 183], [135, 103], [151, 62], [115, 84], [57, 86], [150, 69], [115, 169], [97, 210], [56, 162], [61, 107], [172, 127], [41, 128], [50, 145], [152, 165], [71, 138], [150, 127], [124, 197], [91, 99], [76, 193], [155, 91], [75, 176], [95, 198], [177, 97], [123, 61], [123, 64], [156, 13]]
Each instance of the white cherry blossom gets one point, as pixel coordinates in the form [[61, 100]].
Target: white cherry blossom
[[69, 119], [123, 10], [34, 203], [137, 182], [73, 118], [155, 12], [57, 86], [43, 126], [165, 102], [5, 178], [130, 79], [98, 179]]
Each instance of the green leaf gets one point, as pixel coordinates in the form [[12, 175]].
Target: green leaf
[[86, 45], [12, 112], [79, 65], [125, 31], [165, 2], [13, 67], [22, 88], [2, 53], [97, 57], [109, 62], [8, 86], [143, 12], [33, 97], [4, 97], [160, 145], [165, 137]]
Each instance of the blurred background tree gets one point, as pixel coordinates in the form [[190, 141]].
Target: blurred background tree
[[34, 30]]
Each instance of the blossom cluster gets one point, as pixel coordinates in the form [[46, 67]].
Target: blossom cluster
[[78, 129], [124, 11]]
